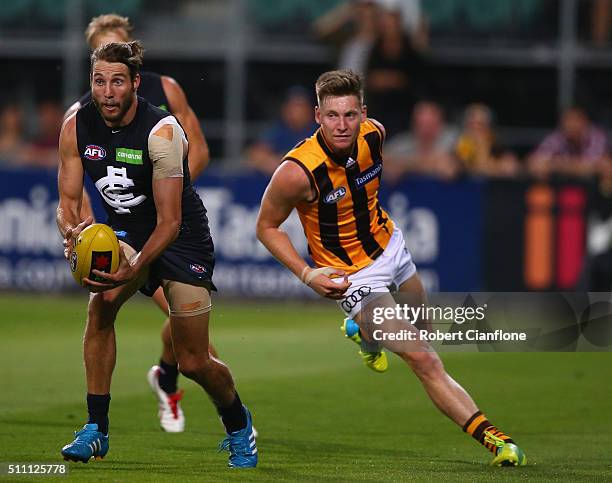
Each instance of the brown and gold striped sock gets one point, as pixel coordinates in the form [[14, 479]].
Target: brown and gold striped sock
[[478, 424]]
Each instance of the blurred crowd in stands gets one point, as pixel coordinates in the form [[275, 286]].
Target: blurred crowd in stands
[[387, 42], [26, 143]]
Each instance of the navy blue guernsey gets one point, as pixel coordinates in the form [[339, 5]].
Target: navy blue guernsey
[[117, 160], [150, 88]]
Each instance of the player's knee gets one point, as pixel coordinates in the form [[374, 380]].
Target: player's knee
[[426, 365], [195, 367], [102, 310], [166, 333]]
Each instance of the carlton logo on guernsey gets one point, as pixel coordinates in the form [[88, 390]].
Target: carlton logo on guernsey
[[344, 223]]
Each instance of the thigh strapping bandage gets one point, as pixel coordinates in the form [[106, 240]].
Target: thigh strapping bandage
[[186, 300]]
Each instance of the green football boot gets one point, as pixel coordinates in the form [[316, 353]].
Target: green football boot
[[508, 454], [377, 361]]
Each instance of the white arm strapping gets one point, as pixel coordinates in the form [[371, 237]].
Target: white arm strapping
[[309, 274], [167, 154]]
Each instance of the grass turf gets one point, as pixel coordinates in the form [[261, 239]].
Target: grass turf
[[322, 416]]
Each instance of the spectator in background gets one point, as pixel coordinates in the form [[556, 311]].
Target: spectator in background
[[601, 17], [355, 24], [478, 148], [395, 73], [295, 124], [414, 22], [42, 150], [12, 141], [576, 148], [426, 149]]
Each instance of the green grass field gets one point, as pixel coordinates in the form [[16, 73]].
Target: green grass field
[[321, 415]]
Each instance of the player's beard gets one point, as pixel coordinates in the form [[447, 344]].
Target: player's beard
[[119, 115]]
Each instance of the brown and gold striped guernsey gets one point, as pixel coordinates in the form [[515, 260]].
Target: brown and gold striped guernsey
[[345, 225]]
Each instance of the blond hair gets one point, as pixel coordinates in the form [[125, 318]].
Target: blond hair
[[109, 22], [337, 83]]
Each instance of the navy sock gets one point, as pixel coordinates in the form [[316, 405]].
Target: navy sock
[[97, 407], [167, 377], [233, 416]]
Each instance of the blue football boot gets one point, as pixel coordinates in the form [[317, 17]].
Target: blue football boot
[[241, 445], [89, 443]]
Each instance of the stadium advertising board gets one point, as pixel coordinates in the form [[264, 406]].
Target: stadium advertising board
[[442, 224], [535, 235], [31, 252]]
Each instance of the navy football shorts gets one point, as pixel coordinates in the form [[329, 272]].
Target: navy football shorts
[[187, 260]]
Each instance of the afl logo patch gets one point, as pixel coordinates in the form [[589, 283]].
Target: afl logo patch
[[94, 153], [197, 268], [335, 195], [73, 261]]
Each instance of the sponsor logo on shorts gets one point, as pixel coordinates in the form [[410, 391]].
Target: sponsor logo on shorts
[[94, 152], [129, 156], [73, 261], [368, 175], [351, 301], [335, 195], [121, 233], [197, 268]]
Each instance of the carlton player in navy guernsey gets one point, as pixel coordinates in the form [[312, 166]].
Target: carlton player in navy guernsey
[[136, 155], [164, 92]]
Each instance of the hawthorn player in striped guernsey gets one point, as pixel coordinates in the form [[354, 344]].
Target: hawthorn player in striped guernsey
[[332, 179]]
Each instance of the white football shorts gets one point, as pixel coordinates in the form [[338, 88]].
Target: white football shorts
[[393, 267]]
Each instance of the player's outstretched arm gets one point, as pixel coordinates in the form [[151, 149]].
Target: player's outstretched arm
[[198, 147], [70, 186], [86, 208], [167, 147], [288, 187]]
